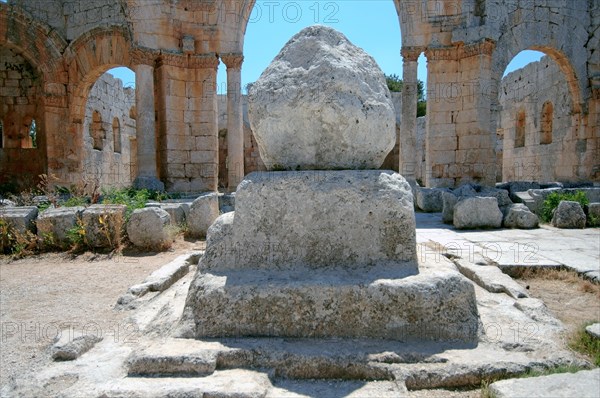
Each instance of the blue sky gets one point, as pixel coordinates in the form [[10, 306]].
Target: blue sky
[[370, 24]]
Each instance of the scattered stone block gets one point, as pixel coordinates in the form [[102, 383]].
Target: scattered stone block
[[477, 212], [147, 228], [449, 200], [21, 219], [465, 191], [322, 104], [430, 200], [70, 347], [593, 330], [569, 214], [104, 225], [7, 203], [176, 211], [203, 212], [500, 194], [594, 214], [519, 216], [54, 223], [583, 384]]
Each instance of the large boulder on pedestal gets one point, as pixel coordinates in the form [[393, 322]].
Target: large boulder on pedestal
[[322, 104]]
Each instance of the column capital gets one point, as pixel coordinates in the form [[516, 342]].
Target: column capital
[[411, 53], [205, 61], [460, 51], [233, 60], [143, 56]]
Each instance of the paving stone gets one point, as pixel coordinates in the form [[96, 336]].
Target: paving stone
[[583, 384]]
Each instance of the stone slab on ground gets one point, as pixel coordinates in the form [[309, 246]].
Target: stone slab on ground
[[21, 218], [56, 222], [491, 278], [331, 389], [70, 347], [593, 330], [161, 279], [177, 357], [223, 384], [583, 384]]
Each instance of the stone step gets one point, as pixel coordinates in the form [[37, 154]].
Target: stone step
[[335, 389], [284, 358], [225, 384]]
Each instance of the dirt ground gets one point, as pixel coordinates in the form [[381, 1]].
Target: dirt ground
[[41, 295]]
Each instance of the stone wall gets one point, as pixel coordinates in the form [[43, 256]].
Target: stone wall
[[537, 128], [22, 158], [109, 134]]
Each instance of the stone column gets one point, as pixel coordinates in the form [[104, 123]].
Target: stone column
[[460, 143], [235, 128], [147, 175], [408, 134]]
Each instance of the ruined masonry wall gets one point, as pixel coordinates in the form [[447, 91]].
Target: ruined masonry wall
[[108, 166], [528, 89], [19, 87]]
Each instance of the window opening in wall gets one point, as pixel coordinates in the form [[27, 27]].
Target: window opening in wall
[[520, 129], [547, 121], [97, 132], [33, 134], [117, 134]]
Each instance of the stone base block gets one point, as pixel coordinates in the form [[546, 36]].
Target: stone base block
[[377, 303], [150, 183]]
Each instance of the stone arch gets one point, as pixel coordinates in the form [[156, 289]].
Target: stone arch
[[41, 45], [88, 57], [546, 122]]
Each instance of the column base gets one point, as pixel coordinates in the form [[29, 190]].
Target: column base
[[150, 183]]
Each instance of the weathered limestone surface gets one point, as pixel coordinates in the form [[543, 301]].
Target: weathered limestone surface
[[21, 219], [370, 302], [584, 384], [519, 216], [70, 347], [203, 212], [593, 330], [147, 228], [56, 222], [430, 200], [477, 212], [449, 200], [323, 103], [569, 214], [316, 219], [103, 224]]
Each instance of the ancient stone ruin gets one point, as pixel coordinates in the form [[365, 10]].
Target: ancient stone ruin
[[301, 246]]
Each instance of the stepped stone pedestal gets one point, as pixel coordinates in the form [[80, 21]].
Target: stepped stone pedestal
[[324, 254]]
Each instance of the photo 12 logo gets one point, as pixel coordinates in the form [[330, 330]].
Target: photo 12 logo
[[325, 12]]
